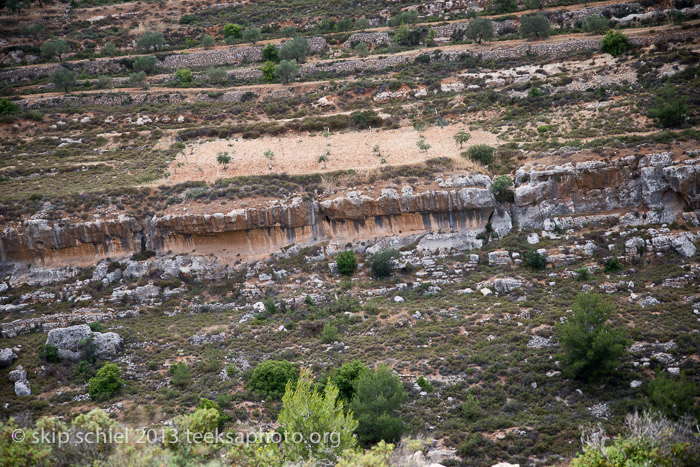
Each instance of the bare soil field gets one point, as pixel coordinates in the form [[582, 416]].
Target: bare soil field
[[296, 154]]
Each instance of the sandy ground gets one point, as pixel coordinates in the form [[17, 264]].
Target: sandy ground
[[298, 154]]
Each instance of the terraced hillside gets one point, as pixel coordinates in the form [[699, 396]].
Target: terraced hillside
[[477, 220]]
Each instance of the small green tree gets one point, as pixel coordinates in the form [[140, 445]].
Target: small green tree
[[137, 79], [270, 156], [268, 71], [296, 49], [63, 78], [669, 109], [471, 408], [405, 17], [347, 263], [361, 49], [329, 333], [323, 159], [479, 29], [207, 41], [270, 378], [145, 63], [481, 153], [615, 43], [223, 159], [50, 353], [232, 30], [184, 76], [109, 49], [57, 48], [286, 70], [150, 40], [270, 54], [309, 413], [252, 34], [383, 263], [504, 6], [423, 146], [361, 23], [596, 24], [534, 4], [106, 383], [344, 25], [502, 188], [461, 137], [534, 26], [180, 374], [378, 398], [216, 75], [673, 397], [592, 349]]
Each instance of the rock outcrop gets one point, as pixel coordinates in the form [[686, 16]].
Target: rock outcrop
[[70, 342]]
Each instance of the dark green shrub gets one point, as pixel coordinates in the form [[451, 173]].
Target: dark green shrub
[[270, 378], [615, 43], [470, 407], [670, 109], [479, 29], [502, 188], [329, 333], [346, 377], [592, 349], [582, 274], [535, 260], [504, 6], [612, 265], [232, 30], [180, 374], [63, 79], [7, 106], [150, 40], [365, 119], [424, 384], [106, 383], [347, 263], [97, 327], [269, 53], [481, 153], [383, 263], [50, 353], [673, 397], [378, 398], [188, 19]]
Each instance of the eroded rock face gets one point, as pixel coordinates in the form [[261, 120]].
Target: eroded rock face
[[654, 182], [70, 342], [630, 191]]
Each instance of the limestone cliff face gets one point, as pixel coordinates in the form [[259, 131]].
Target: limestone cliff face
[[252, 231], [653, 187]]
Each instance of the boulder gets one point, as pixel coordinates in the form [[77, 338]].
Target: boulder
[[499, 258], [23, 388], [107, 344], [7, 356], [18, 374], [506, 284], [69, 342]]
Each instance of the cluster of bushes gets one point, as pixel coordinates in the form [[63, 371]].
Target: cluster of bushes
[[358, 120]]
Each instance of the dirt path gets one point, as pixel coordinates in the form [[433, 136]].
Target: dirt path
[[298, 154]]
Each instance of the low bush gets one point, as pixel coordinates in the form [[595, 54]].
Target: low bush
[[270, 378]]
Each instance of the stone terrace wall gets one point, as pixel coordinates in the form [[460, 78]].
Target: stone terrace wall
[[201, 59]]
